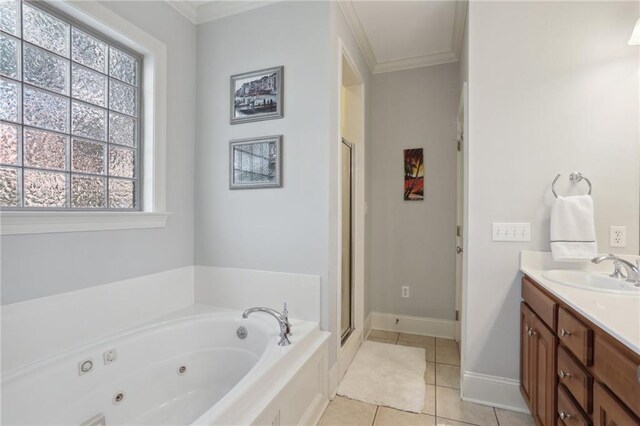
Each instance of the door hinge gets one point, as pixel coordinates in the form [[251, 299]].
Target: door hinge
[[458, 231], [457, 315]]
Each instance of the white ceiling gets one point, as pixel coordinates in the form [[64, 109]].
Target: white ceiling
[[393, 35], [397, 35]]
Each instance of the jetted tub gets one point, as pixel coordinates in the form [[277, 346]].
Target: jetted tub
[[186, 368]]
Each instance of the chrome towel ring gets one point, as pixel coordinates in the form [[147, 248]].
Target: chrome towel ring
[[574, 177]]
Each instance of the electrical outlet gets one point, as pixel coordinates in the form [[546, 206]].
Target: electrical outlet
[[617, 236], [405, 291], [514, 232]]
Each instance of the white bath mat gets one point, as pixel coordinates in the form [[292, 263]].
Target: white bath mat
[[389, 375]]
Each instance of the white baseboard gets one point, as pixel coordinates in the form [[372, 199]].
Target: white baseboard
[[334, 379], [368, 326], [493, 391], [414, 325]]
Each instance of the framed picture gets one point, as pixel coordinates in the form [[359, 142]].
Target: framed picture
[[255, 163], [257, 95], [413, 174]]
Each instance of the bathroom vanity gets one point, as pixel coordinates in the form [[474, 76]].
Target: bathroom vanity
[[579, 353]]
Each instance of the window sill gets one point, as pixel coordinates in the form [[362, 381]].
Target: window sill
[[12, 223]]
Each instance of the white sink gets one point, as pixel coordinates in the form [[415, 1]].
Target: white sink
[[591, 281]]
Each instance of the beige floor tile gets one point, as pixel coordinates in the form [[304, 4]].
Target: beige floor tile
[[449, 343], [449, 405], [390, 417], [345, 411], [382, 336], [416, 340], [511, 418], [430, 353], [381, 340], [441, 421], [447, 355], [430, 374], [430, 400], [448, 375]]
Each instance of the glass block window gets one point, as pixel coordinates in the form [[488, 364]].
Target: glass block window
[[69, 114]]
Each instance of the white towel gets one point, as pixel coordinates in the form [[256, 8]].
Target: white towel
[[573, 231]]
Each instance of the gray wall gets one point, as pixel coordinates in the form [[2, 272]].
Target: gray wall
[[563, 98], [41, 265], [413, 242], [284, 229]]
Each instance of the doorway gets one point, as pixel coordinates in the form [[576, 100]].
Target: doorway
[[350, 151]]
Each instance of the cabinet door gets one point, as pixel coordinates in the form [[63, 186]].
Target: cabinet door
[[608, 411], [526, 352], [544, 372]]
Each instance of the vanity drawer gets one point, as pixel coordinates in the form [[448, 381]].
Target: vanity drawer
[[620, 373], [577, 337], [540, 303], [568, 412], [575, 378]]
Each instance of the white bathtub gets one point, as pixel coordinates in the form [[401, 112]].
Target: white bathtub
[[226, 380]]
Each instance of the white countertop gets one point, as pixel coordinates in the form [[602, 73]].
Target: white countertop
[[618, 315]]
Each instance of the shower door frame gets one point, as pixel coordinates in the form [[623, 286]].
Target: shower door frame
[[344, 336]]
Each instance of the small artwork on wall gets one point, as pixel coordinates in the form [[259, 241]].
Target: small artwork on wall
[[413, 174], [255, 163], [257, 95]]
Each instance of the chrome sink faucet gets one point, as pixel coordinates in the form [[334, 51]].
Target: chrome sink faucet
[[632, 271], [283, 322]]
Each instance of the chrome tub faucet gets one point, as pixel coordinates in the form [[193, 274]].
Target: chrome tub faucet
[[283, 321], [632, 271]]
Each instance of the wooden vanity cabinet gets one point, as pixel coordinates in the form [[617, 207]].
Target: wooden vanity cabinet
[[571, 371], [537, 366], [608, 411], [527, 366]]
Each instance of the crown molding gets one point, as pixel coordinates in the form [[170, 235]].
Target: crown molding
[[221, 9], [351, 15], [217, 9], [415, 62], [452, 55], [186, 9]]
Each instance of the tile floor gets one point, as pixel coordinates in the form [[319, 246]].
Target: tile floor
[[443, 406]]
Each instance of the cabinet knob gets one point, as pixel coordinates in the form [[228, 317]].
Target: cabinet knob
[[564, 416], [531, 332], [564, 332], [564, 374]]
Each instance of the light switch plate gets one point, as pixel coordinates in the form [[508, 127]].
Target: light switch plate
[[511, 232]]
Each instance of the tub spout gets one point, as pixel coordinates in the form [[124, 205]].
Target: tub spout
[[283, 322]]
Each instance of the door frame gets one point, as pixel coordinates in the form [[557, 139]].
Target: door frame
[[460, 203], [345, 336], [347, 351], [464, 108]]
